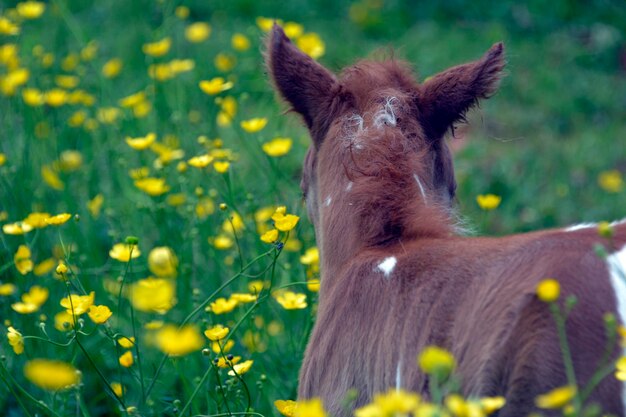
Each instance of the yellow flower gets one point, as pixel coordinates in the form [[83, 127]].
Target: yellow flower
[[117, 388], [126, 360], [270, 236], [228, 106], [61, 268], [310, 408], [30, 9], [99, 314], [16, 340], [126, 342], [112, 68], [132, 100], [233, 224], [620, 369], [157, 49], [224, 362], [240, 42], [141, 143], [58, 219], [257, 286], [7, 27], [611, 181], [391, 403], [123, 252], [205, 207], [51, 375], [436, 361], [7, 289], [286, 407], [78, 304], [222, 305], [89, 52], [254, 125], [285, 222], [291, 301], [215, 86], [557, 398], [277, 147], [63, 321], [108, 115], [153, 295], [32, 300], [163, 262], [241, 368], [311, 44], [216, 347], [70, 160], [182, 12], [3, 159], [243, 298], [548, 290], [266, 23], [22, 260], [176, 341], [198, 32], [67, 81], [18, 228], [605, 229], [313, 285], [488, 201], [223, 242], [224, 62], [152, 186], [221, 166], [56, 97], [51, 178], [33, 97], [293, 30], [95, 205], [311, 256], [201, 161], [492, 404], [217, 332], [37, 220]]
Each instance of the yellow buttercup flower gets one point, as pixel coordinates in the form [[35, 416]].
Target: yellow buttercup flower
[[126, 360], [286, 407], [37, 219], [162, 262], [7, 289], [620, 369], [108, 115], [51, 375], [182, 12], [56, 97], [99, 314], [201, 161], [254, 125], [243, 297], [270, 236], [241, 368], [266, 23], [33, 97], [313, 285], [18, 228], [44, 267], [285, 222], [68, 82], [557, 398], [176, 341], [112, 68], [157, 49], [58, 219], [488, 201], [311, 44], [126, 342], [7, 27], [222, 242], [78, 304], [611, 181], [310, 408], [215, 86], [153, 295], [30, 9], [217, 332], [63, 321], [50, 177], [277, 147], [217, 347], [222, 305], [32, 300], [290, 300], [152, 186], [548, 290], [142, 142], [198, 32], [221, 166], [117, 388], [61, 268], [240, 42], [22, 260], [224, 62], [133, 100], [95, 205], [123, 252], [436, 361], [311, 256], [70, 160], [16, 340], [492, 404], [3, 159]]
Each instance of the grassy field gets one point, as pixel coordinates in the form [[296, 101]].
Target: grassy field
[[153, 126]]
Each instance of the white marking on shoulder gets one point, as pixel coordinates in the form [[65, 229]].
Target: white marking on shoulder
[[575, 227], [421, 187], [387, 265], [617, 268], [328, 200], [349, 186], [399, 375]]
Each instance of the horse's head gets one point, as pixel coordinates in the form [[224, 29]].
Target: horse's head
[[375, 120]]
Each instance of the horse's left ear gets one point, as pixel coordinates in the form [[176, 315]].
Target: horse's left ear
[[446, 97], [304, 83]]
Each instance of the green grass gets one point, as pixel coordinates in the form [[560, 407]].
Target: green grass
[[540, 143]]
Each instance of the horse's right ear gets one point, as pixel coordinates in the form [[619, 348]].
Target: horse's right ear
[[305, 84]]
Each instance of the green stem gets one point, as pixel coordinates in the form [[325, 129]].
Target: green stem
[[566, 352]]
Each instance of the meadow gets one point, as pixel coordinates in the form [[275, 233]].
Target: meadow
[[155, 255]]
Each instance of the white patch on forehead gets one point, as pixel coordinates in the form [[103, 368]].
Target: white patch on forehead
[[387, 265], [617, 268], [386, 116], [575, 227], [349, 186], [328, 200], [421, 187]]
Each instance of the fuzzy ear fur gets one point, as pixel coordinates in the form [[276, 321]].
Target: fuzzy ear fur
[[305, 84], [446, 97]]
